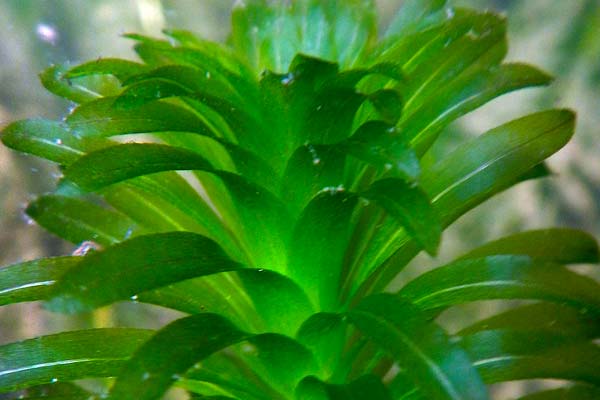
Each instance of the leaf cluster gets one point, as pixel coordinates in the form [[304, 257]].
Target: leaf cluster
[[272, 188]]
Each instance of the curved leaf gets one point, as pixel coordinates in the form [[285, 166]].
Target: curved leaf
[[51, 140], [54, 81], [379, 144], [440, 370], [269, 36], [474, 41], [264, 222], [367, 387], [117, 163], [325, 335], [137, 265], [226, 373], [559, 245], [501, 277], [32, 280], [100, 118], [67, 356], [78, 220], [558, 318], [170, 353], [279, 301], [310, 169], [279, 360], [410, 206], [318, 244], [119, 68], [490, 162], [465, 94], [507, 355], [417, 15]]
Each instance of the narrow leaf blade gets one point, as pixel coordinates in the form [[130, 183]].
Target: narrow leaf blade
[[137, 265]]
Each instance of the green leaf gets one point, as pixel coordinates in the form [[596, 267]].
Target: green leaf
[[269, 36], [125, 161], [227, 373], [78, 220], [574, 392], [475, 41], [166, 201], [137, 265], [473, 173], [264, 222], [325, 335], [318, 245], [51, 140], [53, 391], [100, 118], [221, 294], [260, 212], [54, 81], [279, 360], [440, 369], [156, 53], [507, 355], [367, 387], [418, 15], [411, 207], [388, 104], [56, 391], [213, 51], [254, 299], [119, 68], [32, 280], [67, 356], [179, 80], [465, 94], [502, 277], [379, 144], [279, 301], [559, 245], [170, 353], [489, 163], [558, 318], [330, 116], [403, 388], [310, 169]]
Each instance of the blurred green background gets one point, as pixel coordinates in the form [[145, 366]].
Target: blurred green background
[[562, 37]]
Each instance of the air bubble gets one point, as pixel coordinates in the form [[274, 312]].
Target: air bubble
[[58, 141], [134, 298], [54, 380], [28, 220], [47, 33]]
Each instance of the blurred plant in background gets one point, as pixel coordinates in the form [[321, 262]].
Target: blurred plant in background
[[560, 36]]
